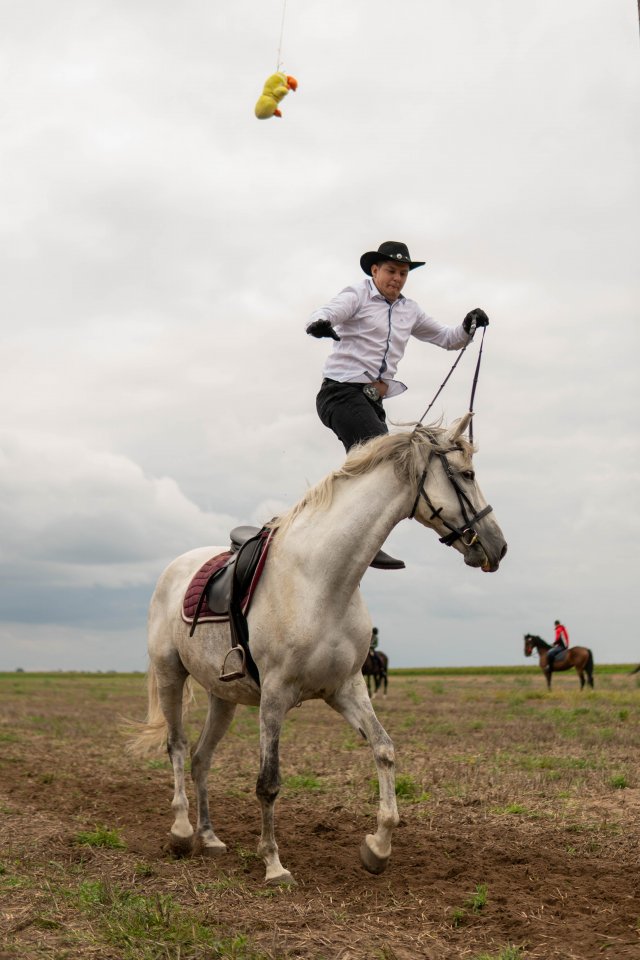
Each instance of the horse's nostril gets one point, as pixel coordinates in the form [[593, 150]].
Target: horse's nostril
[[504, 550]]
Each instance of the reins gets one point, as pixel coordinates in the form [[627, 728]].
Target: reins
[[467, 528], [473, 386], [475, 383]]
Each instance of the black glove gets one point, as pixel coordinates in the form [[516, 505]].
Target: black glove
[[475, 318], [322, 328]]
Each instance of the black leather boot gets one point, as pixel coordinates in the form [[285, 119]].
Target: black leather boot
[[382, 561]]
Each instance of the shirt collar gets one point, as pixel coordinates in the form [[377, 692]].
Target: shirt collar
[[375, 294]]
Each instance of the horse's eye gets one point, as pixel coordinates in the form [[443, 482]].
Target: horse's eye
[[468, 475]]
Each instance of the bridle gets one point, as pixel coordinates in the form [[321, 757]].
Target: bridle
[[466, 531]]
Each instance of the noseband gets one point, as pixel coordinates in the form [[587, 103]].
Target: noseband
[[470, 515]]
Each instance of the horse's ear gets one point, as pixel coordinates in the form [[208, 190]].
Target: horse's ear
[[460, 426]]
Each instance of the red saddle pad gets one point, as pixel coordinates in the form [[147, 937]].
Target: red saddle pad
[[197, 585]]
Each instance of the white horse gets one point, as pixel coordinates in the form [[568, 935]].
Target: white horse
[[308, 625]]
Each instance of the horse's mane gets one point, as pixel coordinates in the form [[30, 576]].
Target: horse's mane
[[405, 450], [532, 636]]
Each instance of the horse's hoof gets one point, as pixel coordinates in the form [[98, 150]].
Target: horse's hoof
[[283, 879], [370, 860], [181, 846], [213, 849]]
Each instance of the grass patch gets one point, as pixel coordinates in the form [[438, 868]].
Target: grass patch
[[101, 836], [507, 953], [352, 741], [441, 728], [618, 781], [159, 764], [409, 722], [514, 809], [406, 789], [478, 899], [134, 925], [303, 783], [476, 902], [534, 763]]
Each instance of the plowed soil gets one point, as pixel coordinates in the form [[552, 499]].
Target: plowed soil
[[519, 833]]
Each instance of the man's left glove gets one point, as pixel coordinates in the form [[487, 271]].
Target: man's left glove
[[322, 328], [475, 318]]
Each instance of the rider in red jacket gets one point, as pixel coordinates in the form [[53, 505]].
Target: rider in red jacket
[[560, 643]]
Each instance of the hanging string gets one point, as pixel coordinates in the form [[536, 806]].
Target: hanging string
[[284, 10]]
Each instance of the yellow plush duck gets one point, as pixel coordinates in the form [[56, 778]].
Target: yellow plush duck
[[276, 87]]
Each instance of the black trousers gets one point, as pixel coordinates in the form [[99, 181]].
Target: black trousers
[[345, 409]]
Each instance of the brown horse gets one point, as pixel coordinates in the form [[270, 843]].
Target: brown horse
[[376, 666], [579, 657]]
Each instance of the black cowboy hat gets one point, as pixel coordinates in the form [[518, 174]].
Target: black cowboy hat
[[389, 250]]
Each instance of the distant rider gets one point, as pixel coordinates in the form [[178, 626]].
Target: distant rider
[[560, 643]]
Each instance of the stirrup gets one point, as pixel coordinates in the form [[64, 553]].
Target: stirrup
[[237, 674]]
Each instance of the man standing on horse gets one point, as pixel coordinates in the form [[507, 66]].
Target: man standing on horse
[[371, 322], [560, 643]]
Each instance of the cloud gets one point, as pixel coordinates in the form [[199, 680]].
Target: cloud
[[161, 250], [84, 529]]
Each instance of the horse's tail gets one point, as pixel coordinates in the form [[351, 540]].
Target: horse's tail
[[589, 667], [150, 735]]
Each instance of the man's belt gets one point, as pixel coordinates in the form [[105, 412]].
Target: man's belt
[[368, 389]]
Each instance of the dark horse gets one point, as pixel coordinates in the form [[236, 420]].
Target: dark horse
[[579, 657], [376, 666]]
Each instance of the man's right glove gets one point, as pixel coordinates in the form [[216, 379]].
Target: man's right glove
[[475, 318], [322, 328]]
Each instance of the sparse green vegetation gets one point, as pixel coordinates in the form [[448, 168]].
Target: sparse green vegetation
[[476, 902], [514, 777], [406, 789], [303, 782], [478, 899], [513, 808], [507, 953], [133, 924], [457, 916], [618, 781], [101, 836]]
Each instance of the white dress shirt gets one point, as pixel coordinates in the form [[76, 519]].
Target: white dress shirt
[[374, 335]]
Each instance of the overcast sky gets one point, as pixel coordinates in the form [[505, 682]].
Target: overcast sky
[[162, 250]]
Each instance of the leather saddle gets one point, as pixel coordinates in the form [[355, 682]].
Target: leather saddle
[[240, 566], [228, 591]]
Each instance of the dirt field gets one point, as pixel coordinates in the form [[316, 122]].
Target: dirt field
[[520, 822]]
